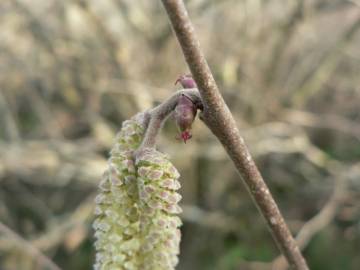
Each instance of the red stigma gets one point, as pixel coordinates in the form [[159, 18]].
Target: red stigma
[[186, 135]]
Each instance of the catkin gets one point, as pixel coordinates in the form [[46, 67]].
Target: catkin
[[136, 225], [117, 214], [159, 223]]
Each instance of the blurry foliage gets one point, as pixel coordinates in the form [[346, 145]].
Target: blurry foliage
[[73, 70]]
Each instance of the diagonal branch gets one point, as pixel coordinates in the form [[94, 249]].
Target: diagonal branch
[[29, 248], [219, 119]]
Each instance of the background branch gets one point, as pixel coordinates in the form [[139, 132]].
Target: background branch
[[28, 248]]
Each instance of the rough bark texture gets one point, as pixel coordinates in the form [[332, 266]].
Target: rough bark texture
[[218, 118]]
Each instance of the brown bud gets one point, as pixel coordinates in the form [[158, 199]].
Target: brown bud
[[185, 113]]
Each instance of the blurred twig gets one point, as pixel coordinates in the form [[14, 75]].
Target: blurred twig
[[326, 66], [61, 228], [288, 30], [210, 219], [107, 38], [52, 162], [330, 121], [28, 248], [10, 124], [326, 215]]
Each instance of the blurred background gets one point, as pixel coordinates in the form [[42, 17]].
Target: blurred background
[[71, 71]]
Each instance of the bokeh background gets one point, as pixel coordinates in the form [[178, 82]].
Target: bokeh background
[[71, 71]]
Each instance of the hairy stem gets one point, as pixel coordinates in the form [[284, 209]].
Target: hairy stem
[[159, 114], [219, 119]]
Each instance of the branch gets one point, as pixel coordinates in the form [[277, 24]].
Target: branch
[[62, 228], [326, 66], [327, 121], [28, 247], [327, 213], [317, 223], [218, 118]]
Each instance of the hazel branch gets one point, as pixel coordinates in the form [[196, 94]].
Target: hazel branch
[[219, 119]]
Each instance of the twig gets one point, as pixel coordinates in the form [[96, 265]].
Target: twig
[[319, 221], [218, 118], [326, 66], [210, 219], [327, 121], [57, 233], [287, 32], [10, 126], [29, 248]]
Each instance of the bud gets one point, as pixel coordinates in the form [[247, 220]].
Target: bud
[[186, 81], [184, 114], [158, 208]]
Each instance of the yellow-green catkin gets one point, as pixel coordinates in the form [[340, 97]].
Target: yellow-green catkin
[[158, 205], [136, 225], [117, 214]]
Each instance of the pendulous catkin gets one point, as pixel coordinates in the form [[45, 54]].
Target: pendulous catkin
[[117, 216], [158, 208], [136, 226]]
